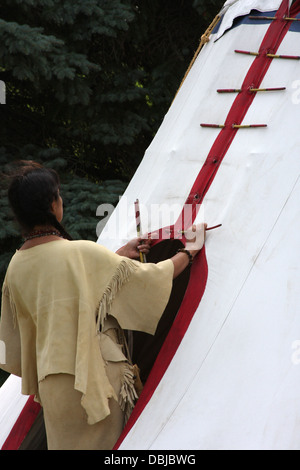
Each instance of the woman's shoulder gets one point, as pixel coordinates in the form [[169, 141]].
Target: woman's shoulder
[[91, 251], [64, 246], [70, 252], [87, 246], [71, 255], [64, 249]]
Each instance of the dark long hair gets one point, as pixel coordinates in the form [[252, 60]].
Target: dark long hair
[[31, 192]]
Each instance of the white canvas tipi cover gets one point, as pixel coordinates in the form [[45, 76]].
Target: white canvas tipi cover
[[228, 373]]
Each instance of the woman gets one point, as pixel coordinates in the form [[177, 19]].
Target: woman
[[64, 307]]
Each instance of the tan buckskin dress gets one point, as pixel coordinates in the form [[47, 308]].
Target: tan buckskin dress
[[64, 305]]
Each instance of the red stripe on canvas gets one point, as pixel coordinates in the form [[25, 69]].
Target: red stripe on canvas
[[23, 425]]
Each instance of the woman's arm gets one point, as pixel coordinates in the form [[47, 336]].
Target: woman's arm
[[181, 261], [195, 237], [195, 240], [10, 359]]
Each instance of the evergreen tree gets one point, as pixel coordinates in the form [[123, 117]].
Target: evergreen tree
[[94, 78]]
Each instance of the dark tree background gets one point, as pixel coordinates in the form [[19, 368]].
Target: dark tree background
[[88, 83]]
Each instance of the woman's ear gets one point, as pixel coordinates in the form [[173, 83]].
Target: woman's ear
[[54, 206], [57, 208]]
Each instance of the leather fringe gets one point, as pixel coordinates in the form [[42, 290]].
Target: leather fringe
[[122, 275], [128, 395], [6, 293]]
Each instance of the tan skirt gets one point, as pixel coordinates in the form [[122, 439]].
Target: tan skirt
[[66, 420]]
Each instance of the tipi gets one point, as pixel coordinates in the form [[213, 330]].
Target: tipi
[[225, 371]]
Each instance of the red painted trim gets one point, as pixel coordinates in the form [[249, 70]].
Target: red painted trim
[[271, 42], [295, 10], [22, 426]]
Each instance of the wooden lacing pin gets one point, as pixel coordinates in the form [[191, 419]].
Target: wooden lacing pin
[[255, 90], [276, 56], [262, 18], [248, 126], [229, 90], [138, 227], [213, 228], [250, 90], [207, 229], [271, 56], [238, 51], [272, 18], [214, 126], [234, 126]]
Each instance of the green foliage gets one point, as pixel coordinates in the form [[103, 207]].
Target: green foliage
[[3, 377], [208, 8], [81, 199], [93, 78]]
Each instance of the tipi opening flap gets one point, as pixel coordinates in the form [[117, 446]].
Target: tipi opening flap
[[235, 8]]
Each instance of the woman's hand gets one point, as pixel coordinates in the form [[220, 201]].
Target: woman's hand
[[133, 248]]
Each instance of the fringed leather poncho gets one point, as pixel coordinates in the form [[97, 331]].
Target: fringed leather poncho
[[56, 300]]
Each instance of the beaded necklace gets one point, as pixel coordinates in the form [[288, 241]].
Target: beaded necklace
[[41, 233]]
